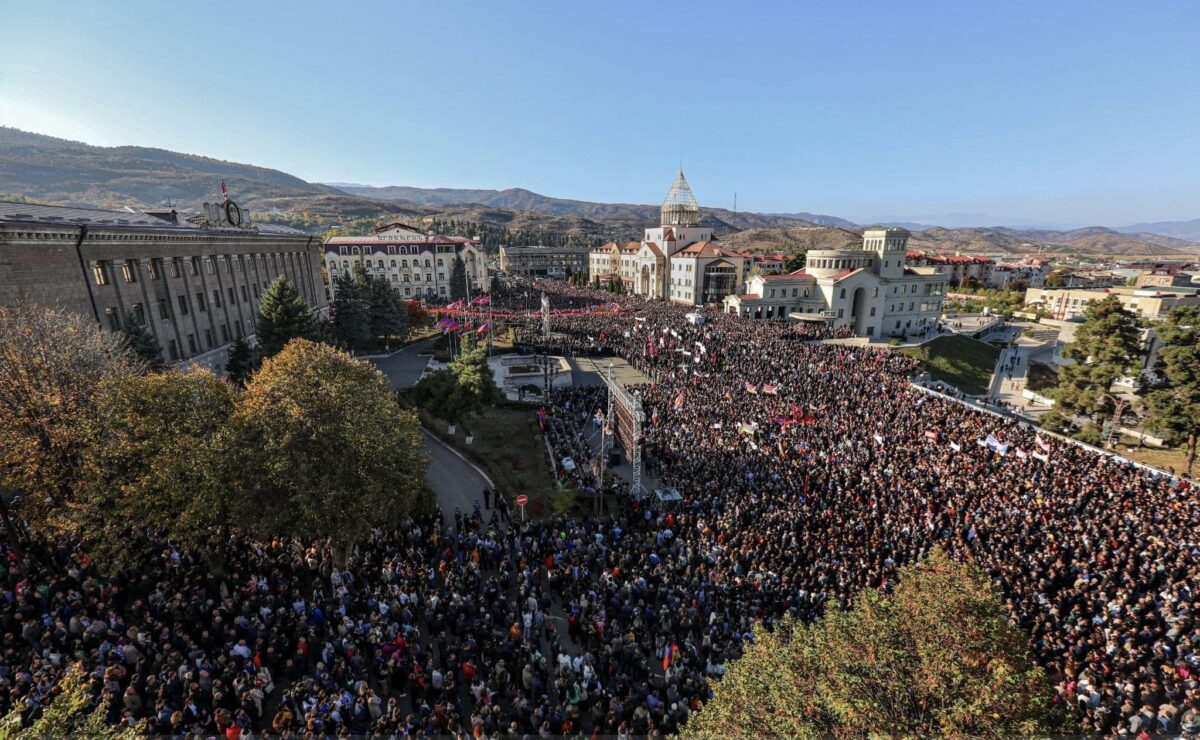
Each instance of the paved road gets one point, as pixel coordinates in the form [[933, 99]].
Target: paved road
[[404, 368], [456, 483]]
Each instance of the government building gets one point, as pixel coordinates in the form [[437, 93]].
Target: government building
[[677, 260], [419, 265], [554, 262], [869, 289], [193, 281]]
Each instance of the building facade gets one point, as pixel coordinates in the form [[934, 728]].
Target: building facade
[[419, 265], [193, 281], [1068, 304], [1032, 271], [870, 290], [677, 260], [958, 269], [555, 262]]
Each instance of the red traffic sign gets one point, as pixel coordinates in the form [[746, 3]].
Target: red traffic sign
[[522, 500]]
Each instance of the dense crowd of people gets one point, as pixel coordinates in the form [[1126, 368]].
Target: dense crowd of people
[[809, 471]]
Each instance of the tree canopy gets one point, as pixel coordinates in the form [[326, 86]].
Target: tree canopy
[[141, 342], [937, 656], [241, 362], [332, 453], [51, 364], [283, 316], [1106, 347], [458, 280], [1174, 402], [461, 390]]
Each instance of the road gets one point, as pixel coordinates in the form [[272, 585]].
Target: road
[[457, 484], [404, 368]]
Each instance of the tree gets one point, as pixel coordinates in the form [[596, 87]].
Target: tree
[[283, 316], [795, 261], [389, 315], [351, 309], [1174, 402], [331, 453], [69, 713], [51, 364], [164, 461], [458, 280], [1106, 347], [141, 342], [938, 656], [241, 361], [1054, 279], [462, 390]]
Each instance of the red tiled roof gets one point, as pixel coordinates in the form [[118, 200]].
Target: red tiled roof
[[845, 273]]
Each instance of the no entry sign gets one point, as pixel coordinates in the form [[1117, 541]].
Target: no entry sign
[[522, 500]]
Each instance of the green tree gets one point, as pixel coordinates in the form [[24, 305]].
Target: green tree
[[69, 714], [330, 452], [51, 364], [458, 280], [283, 316], [464, 389], [241, 362], [1107, 346], [795, 261], [351, 309], [141, 342], [938, 656], [389, 314], [164, 460], [1174, 402], [1054, 279]]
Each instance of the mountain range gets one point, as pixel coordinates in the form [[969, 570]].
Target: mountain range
[[52, 170]]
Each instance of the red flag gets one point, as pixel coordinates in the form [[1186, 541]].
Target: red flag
[[224, 195], [667, 660]]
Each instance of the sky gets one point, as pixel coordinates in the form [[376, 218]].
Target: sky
[[1055, 113]]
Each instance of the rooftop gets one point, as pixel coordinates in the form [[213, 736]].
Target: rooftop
[[167, 220]]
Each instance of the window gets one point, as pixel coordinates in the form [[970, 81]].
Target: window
[[114, 319], [872, 310], [211, 264], [216, 301], [173, 350], [224, 333], [139, 314], [129, 271], [843, 294], [232, 296], [153, 269], [176, 267], [255, 291], [192, 344], [100, 273], [164, 309], [183, 305], [245, 295], [200, 305], [195, 269], [208, 338]]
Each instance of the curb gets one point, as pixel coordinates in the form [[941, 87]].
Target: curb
[[462, 457]]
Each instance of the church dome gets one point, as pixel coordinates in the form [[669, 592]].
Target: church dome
[[680, 208]]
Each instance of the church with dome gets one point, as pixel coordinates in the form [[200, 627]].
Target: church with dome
[[679, 260]]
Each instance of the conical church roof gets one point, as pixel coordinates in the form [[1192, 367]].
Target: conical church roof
[[680, 208]]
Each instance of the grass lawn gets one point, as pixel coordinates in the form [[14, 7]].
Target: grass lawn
[[1041, 376], [509, 446], [963, 362]]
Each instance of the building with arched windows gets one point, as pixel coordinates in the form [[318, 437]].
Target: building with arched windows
[[678, 260], [870, 289], [418, 265]]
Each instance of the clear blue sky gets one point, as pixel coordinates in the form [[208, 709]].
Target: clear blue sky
[[1049, 112]]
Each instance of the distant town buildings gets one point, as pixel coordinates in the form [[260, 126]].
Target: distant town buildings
[[957, 268], [192, 280], [419, 265], [555, 262], [1164, 278], [1152, 303], [1032, 271], [869, 289]]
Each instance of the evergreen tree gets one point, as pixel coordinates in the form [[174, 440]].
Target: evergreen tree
[[1107, 346], [283, 316], [241, 361], [1175, 400], [351, 309], [389, 314], [937, 656], [458, 280], [141, 342]]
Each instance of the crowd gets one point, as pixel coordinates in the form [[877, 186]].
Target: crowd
[[809, 472]]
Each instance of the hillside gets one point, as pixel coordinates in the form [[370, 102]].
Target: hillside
[[1189, 230], [51, 170]]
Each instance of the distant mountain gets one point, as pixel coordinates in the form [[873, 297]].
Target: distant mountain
[[62, 171], [51, 170], [1189, 230]]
